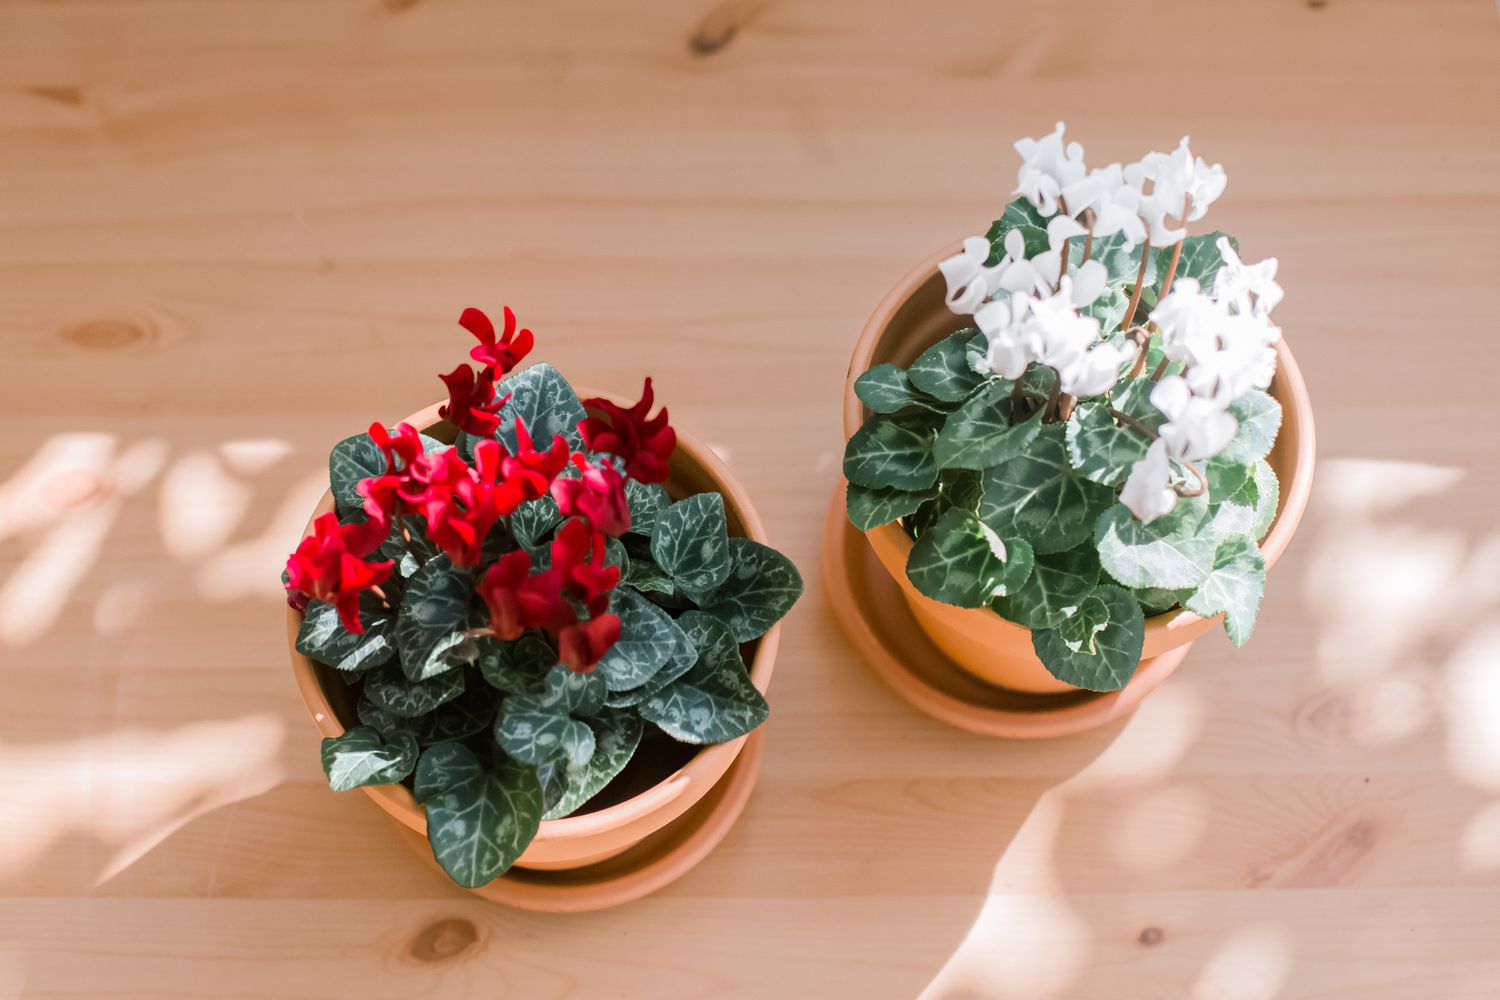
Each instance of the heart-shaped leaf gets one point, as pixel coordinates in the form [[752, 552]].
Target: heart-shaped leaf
[[979, 433], [1099, 646], [1233, 588], [1040, 497], [480, 826], [432, 622], [323, 637], [363, 756], [1057, 585], [1101, 450], [961, 561], [1174, 551], [442, 766], [892, 450], [886, 388], [691, 542], [648, 637], [616, 736], [1259, 418], [869, 508], [761, 588], [943, 370], [390, 689]]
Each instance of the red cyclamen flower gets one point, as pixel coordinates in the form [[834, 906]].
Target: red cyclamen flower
[[644, 443], [533, 471], [499, 356], [582, 645], [598, 495], [472, 406], [578, 554], [328, 566], [405, 444], [517, 600], [461, 504]]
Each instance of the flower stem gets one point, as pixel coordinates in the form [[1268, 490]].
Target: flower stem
[[1166, 283], [1202, 482], [1088, 241], [1141, 336], [1065, 407], [1140, 283], [1130, 421], [1161, 370]]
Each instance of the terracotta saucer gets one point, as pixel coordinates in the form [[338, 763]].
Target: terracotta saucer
[[660, 859], [875, 616]]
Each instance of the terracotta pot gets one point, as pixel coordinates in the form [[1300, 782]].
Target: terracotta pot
[[913, 317], [581, 839]]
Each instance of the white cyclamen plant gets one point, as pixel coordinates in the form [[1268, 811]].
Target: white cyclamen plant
[[1093, 448]]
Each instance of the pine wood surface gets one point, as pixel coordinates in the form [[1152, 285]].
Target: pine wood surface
[[234, 232]]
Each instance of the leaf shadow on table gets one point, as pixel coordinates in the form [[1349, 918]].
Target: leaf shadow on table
[[1308, 817]]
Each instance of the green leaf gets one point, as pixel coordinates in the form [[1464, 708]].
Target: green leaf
[[943, 371], [1121, 263], [534, 520], [323, 638], [442, 766], [471, 712], [648, 637], [647, 577], [1101, 450], [1057, 585], [516, 667], [885, 389], [1267, 496], [961, 561], [1109, 309], [761, 588], [1228, 519], [1174, 551], [1019, 214], [870, 508], [372, 715], [616, 736], [647, 501], [691, 542], [892, 451], [699, 632], [1099, 646], [1133, 397], [1233, 587], [1259, 417], [481, 825], [1039, 496], [1156, 600], [1226, 479], [390, 689], [979, 433], [533, 733], [1200, 259], [713, 702], [546, 402], [363, 756], [431, 624]]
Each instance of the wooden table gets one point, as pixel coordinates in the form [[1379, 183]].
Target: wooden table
[[233, 232]]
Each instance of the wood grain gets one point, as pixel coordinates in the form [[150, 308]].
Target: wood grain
[[232, 233]]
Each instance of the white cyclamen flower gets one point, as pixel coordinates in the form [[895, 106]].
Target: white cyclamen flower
[[1070, 343], [1243, 360], [1246, 288], [1096, 370], [1047, 166], [969, 281], [1115, 204], [1148, 490], [1196, 428], [1011, 346], [1181, 187], [1190, 322]]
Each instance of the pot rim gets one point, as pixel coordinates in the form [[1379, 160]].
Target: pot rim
[[1291, 393], [397, 799]]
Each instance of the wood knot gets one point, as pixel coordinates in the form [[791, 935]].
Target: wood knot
[[73, 488], [66, 95], [721, 25], [107, 335], [397, 6], [1150, 937], [444, 940]]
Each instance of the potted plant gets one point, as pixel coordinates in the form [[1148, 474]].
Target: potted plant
[[522, 621], [1088, 473]]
